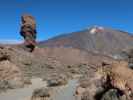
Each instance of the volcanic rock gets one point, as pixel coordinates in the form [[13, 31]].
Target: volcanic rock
[[111, 95], [109, 77], [41, 94], [10, 75], [4, 54], [57, 80]]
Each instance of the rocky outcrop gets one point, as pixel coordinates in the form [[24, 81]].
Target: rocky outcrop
[[4, 54], [28, 31], [10, 76], [109, 83], [88, 88], [128, 57], [112, 94]]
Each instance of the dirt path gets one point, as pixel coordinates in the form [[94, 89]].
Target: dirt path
[[65, 92], [59, 93], [18, 94]]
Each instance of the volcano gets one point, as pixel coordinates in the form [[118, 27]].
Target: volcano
[[96, 39]]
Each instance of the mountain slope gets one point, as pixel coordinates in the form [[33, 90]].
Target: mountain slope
[[96, 39]]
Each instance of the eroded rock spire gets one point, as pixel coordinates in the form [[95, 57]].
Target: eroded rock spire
[[28, 31]]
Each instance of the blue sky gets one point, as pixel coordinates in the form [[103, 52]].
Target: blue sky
[[56, 17]]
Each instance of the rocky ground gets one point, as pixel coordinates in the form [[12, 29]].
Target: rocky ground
[[110, 82], [97, 74]]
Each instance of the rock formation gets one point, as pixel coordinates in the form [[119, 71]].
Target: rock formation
[[28, 31], [115, 79], [10, 74]]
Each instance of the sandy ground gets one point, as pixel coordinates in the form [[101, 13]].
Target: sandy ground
[[19, 94], [65, 92], [59, 93]]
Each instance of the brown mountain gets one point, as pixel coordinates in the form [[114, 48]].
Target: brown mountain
[[96, 39]]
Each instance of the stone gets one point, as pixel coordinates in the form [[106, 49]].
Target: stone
[[3, 85], [10, 76], [57, 81], [41, 94], [27, 81], [79, 90], [4, 54], [111, 95]]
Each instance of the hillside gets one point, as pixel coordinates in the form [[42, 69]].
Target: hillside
[[96, 39]]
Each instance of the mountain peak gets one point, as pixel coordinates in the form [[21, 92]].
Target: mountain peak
[[96, 29], [96, 38]]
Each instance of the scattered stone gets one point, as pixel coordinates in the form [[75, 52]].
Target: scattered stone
[[10, 76], [57, 81], [3, 85], [111, 95], [27, 81], [13, 84], [41, 94], [50, 66], [80, 90], [4, 54], [107, 83], [74, 71]]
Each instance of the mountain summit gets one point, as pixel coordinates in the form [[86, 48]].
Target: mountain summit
[[97, 39]]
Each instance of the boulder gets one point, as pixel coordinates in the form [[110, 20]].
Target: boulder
[[41, 94], [57, 80], [111, 95], [4, 54]]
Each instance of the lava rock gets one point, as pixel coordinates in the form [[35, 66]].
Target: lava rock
[[111, 95], [41, 94], [57, 81], [10, 76]]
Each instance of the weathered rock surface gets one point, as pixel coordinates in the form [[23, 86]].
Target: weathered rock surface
[[111, 95], [4, 54], [10, 76], [98, 86], [28, 31]]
